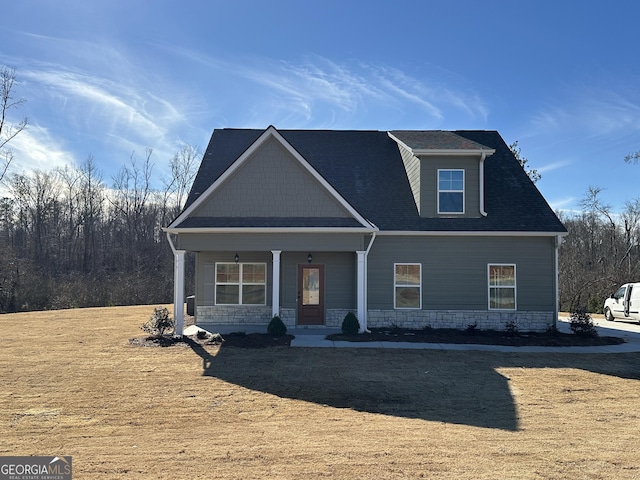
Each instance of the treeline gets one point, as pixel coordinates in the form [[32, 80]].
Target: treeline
[[601, 252], [67, 239]]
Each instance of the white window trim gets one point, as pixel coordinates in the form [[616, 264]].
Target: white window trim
[[451, 191], [395, 285], [240, 284], [514, 287]]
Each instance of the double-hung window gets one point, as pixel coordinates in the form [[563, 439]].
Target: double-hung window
[[241, 283], [502, 286], [451, 191], [407, 285]]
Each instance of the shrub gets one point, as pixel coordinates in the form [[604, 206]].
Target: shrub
[[594, 304], [511, 328], [581, 324], [276, 327], [472, 328], [350, 324], [202, 335], [159, 322]]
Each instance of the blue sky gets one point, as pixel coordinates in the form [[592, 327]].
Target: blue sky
[[108, 78]]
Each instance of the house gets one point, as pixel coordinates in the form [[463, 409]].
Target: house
[[406, 228]]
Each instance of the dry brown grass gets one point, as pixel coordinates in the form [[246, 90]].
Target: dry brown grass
[[71, 385]]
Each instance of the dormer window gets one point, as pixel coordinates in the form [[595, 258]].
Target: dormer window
[[451, 191]]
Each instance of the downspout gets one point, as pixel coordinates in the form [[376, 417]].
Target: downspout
[[483, 156], [173, 248], [366, 281]]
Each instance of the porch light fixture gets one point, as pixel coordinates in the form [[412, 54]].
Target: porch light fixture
[[309, 258], [237, 258]]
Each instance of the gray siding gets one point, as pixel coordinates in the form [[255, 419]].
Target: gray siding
[[454, 270], [412, 166], [272, 183], [204, 286], [300, 242], [429, 184], [340, 278]]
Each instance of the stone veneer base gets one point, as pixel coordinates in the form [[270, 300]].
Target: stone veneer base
[[415, 319]]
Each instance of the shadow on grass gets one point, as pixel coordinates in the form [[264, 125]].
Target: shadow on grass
[[446, 386]]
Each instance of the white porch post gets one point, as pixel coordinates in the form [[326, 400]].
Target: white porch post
[[275, 288], [361, 290], [178, 291]]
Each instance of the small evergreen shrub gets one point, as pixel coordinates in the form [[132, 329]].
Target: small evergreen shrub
[[159, 323], [472, 328], [511, 328], [581, 324], [276, 327], [350, 324]]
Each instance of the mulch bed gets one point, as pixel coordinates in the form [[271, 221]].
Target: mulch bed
[[239, 340], [486, 337]]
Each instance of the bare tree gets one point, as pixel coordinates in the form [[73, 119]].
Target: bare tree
[[632, 157], [183, 170], [8, 130]]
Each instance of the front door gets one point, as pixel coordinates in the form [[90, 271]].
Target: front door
[[310, 294]]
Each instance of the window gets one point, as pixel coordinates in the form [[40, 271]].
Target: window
[[502, 287], [450, 191], [620, 293], [241, 283], [408, 285]]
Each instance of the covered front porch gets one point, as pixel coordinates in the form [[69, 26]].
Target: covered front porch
[[243, 289]]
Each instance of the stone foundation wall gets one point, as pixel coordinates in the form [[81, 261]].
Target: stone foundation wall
[[416, 319], [234, 314], [461, 319]]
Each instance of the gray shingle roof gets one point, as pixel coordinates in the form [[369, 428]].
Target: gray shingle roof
[[365, 167], [435, 140]]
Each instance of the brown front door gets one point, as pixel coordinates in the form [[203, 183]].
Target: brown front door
[[310, 294]]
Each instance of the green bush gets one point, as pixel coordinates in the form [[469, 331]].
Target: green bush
[[581, 324], [276, 327], [594, 305], [511, 329], [159, 323], [350, 324]]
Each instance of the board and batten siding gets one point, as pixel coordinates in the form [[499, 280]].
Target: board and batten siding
[[271, 183], [454, 270]]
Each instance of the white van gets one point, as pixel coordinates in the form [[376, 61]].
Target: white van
[[624, 304]]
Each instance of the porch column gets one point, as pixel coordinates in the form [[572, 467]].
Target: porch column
[[361, 290], [178, 291], [275, 288]]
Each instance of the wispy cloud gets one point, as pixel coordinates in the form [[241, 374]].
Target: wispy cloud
[[36, 149], [314, 91], [553, 166], [594, 111]]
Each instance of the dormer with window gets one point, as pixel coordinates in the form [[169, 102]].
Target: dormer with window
[[445, 171]]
